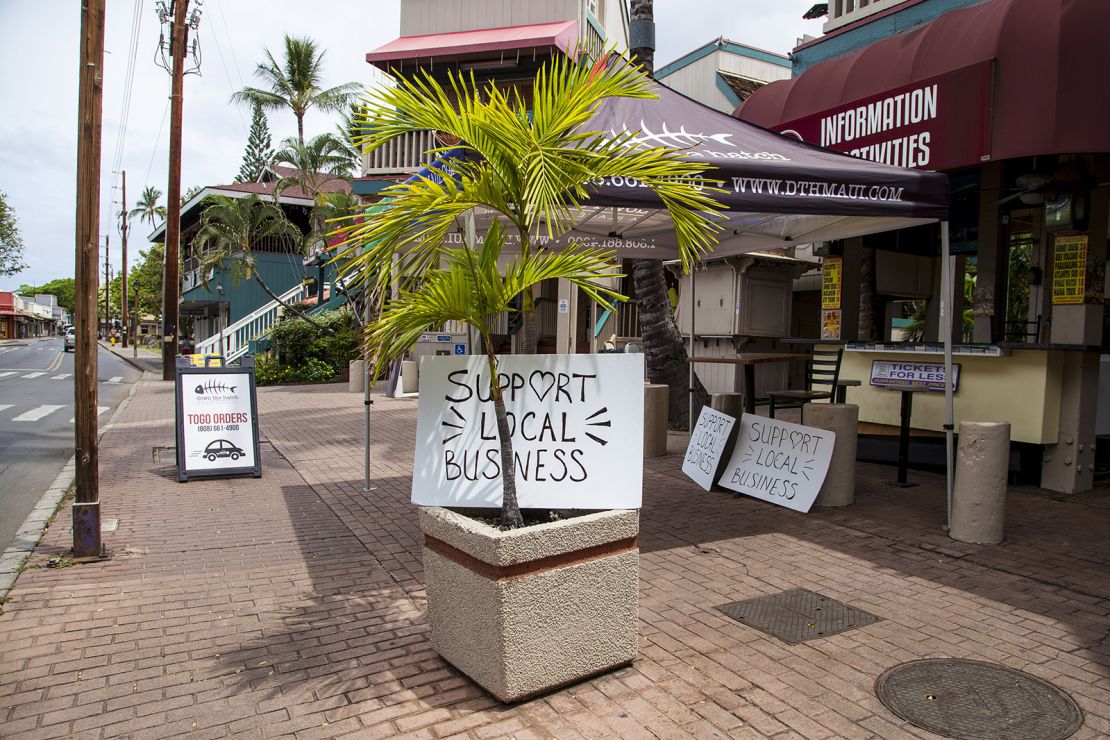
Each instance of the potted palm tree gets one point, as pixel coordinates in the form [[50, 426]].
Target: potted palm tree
[[520, 609]]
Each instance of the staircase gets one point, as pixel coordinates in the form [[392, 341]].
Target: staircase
[[238, 336]]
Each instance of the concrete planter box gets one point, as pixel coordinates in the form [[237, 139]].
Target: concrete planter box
[[529, 610]]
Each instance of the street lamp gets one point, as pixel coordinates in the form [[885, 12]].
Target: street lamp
[[220, 317]]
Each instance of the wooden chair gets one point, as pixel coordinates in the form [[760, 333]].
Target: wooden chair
[[822, 373]]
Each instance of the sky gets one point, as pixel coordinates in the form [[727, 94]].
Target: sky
[[39, 46]]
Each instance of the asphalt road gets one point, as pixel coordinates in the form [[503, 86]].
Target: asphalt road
[[36, 413]]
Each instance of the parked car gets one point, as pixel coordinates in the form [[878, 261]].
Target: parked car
[[70, 339], [222, 448]]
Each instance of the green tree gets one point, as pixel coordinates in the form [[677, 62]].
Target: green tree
[[321, 160], [259, 150], [11, 241], [62, 288], [231, 229], [295, 83], [147, 208], [144, 283], [530, 167]]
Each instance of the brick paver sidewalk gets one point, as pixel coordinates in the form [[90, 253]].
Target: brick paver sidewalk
[[293, 604]]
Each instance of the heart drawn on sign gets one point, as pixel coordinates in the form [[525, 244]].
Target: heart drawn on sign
[[547, 383], [795, 439]]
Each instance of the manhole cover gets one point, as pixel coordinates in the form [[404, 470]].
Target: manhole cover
[[972, 699], [797, 615]]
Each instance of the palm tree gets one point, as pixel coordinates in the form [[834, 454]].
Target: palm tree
[[147, 208], [528, 167], [320, 160], [295, 83], [231, 229]]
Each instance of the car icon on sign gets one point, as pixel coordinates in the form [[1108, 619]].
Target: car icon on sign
[[222, 448]]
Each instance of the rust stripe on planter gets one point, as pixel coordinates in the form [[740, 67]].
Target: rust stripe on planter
[[503, 572]]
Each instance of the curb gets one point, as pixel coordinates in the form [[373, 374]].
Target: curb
[[34, 526], [129, 360]]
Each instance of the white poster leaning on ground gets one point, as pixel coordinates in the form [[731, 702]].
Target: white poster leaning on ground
[[779, 462], [576, 422], [707, 446]]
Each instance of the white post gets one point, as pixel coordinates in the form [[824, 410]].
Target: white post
[[366, 402], [690, 382], [946, 301]]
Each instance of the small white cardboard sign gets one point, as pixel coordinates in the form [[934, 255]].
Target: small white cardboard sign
[[576, 421], [707, 446], [779, 462]]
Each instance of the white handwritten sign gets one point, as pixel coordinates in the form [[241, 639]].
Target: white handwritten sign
[[576, 424], [927, 375], [779, 462], [707, 446]]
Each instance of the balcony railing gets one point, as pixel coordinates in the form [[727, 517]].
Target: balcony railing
[[406, 153]]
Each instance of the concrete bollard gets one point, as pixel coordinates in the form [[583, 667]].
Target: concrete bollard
[[727, 403], [409, 379], [656, 400], [979, 496], [356, 376], [839, 488]]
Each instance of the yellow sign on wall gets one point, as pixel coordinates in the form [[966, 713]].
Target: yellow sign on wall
[[1069, 270], [830, 282]]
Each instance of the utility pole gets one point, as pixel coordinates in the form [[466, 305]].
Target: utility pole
[[123, 273], [170, 279], [86, 505], [107, 288]]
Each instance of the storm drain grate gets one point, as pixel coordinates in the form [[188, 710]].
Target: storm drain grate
[[797, 615], [971, 699]]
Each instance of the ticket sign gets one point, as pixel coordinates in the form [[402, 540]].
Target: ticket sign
[[576, 424], [1069, 270], [217, 421], [926, 375], [779, 462], [708, 444]]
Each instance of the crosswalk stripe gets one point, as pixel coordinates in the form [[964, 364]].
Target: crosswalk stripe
[[33, 375], [63, 376], [10, 372], [5, 406], [116, 379], [99, 410], [37, 413]]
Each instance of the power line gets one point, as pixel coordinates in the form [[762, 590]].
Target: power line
[[223, 63], [129, 84], [157, 139]]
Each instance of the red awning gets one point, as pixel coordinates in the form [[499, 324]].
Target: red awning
[[1046, 63], [482, 43]]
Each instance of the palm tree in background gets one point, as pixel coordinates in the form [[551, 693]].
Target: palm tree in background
[[295, 83], [147, 208], [231, 229], [317, 162]]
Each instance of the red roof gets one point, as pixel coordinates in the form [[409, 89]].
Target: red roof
[[1051, 95], [459, 45]]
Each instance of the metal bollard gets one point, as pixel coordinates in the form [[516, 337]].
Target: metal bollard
[[727, 403], [979, 496], [356, 380], [656, 399], [839, 488]]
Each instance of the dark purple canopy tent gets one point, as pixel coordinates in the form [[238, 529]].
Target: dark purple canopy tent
[[778, 192]]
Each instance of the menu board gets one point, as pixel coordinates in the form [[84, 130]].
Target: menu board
[[217, 421], [1069, 270], [831, 272]]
